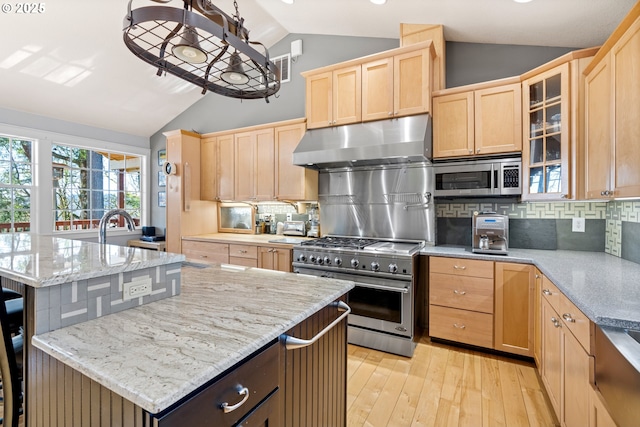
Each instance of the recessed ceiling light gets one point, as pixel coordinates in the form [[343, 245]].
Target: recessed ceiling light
[[522, 1], [378, 1], [288, 1]]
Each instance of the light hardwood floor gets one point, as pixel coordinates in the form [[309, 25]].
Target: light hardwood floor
[[443, 385]]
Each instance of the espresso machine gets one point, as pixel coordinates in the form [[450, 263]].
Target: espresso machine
[[490, 233]]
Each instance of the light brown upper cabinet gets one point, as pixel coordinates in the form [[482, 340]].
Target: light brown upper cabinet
[[384, 85], [553, 117], [416, 33], [334, 97], [612, 128], [225, 167], [396, 86], [478, 119], [254, 168], [292, 182]]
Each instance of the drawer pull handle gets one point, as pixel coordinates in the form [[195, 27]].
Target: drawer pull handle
[[568, 318], [242, 251], [555, 322], [457, 292], [204, 256], [242, 392], [546, 291], [460, 267], [291, 343], [455, 325]]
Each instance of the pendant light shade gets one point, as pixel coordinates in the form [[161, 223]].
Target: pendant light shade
[[234, 74], [188, 49], [201, 44]]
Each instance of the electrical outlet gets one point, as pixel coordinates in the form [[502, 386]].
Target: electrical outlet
[[136, 288], [578, 225], [289, 216]]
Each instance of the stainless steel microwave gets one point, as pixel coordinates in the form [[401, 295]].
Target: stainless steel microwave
[[481, 177]]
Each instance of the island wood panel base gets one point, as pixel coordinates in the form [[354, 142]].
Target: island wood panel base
[[64, 397], [316, 376]]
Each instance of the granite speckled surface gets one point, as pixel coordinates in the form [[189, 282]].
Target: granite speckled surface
[[39, 261], [154, 355], [606, 288]]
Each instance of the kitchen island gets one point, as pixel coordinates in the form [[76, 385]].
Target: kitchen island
[[157, 356]]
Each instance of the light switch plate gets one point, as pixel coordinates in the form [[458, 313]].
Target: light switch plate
[[578, 225]]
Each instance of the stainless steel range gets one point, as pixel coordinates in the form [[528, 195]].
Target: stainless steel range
[[382, 312]]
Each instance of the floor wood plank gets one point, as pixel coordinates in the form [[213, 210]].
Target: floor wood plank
[[444, 385]]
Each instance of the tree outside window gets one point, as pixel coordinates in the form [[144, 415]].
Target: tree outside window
[[87, 183], [16, 180]]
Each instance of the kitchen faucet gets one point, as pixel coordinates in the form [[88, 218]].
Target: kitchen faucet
[[102, 236]]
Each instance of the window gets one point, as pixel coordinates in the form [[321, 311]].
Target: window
[[88, 183], [16, 180]]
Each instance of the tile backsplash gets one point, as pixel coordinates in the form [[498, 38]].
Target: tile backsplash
[[612, 227]]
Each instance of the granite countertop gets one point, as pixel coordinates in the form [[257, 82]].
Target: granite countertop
[[156, 354], [39, 260], [254, 239], [603, 286]]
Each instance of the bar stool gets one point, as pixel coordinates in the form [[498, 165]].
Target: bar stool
[[11, 381]]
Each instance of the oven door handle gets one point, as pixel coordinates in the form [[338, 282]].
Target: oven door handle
[[382, 287], [291, 343]]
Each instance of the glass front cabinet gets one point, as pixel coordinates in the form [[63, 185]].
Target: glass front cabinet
[[546, 149]]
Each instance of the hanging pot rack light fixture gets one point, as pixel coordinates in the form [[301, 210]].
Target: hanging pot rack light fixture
[[202, 45]]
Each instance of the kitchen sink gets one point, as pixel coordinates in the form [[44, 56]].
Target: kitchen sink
[[288, 240], [634, 334]]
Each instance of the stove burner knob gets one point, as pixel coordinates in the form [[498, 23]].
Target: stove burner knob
[[302, 258], [319, 261], [327, 260], [312, 259], [393, 268], [337, 261], [375, 266], [354, 263]]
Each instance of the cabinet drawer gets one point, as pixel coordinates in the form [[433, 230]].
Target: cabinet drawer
[[577, 322], [246, 262], [469, 293], [551, 293], [206, 251], [463, 326], [461, 267], [243, 251], [259, 375]]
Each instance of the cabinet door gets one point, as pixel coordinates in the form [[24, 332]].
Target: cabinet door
[[598, 414], [264, 169], [292, 182], [412, 83], [537, 318], [208, 169], [498, 119], [265, 257], [625, 62], [244, 152], [576, 382], [545, 157], [598, 130], [282, 259], [551, 354], [225, 165], [347, 95], [513, 316], [453, 125], [319, 102], [377, 90]]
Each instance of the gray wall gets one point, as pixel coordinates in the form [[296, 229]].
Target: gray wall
[[469, 63], [466, 63]]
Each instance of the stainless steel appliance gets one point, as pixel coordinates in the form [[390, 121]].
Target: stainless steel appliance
[[478, 177], [490, 233], [294, 228], [384, 271]]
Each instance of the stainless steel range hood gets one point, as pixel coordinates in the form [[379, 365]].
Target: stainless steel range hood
[[394, 141]]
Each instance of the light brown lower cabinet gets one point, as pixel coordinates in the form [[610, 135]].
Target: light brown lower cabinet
[[245, 255], [206, 251], [513, 313], [598, 414], [274, 258]]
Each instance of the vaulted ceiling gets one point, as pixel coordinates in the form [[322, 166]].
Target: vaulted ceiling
[[69, 62]]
